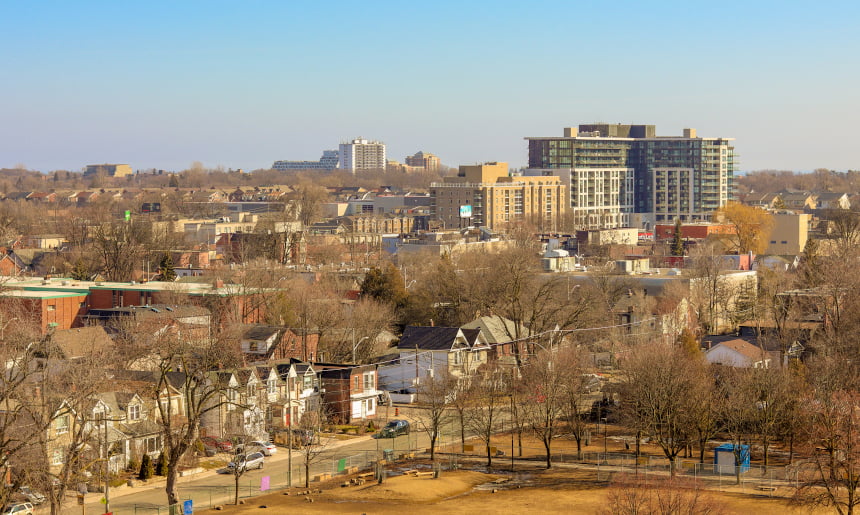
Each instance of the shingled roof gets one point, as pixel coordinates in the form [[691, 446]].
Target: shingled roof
[[435, 338]]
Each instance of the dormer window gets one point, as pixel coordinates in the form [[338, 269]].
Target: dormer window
[[134, 412]]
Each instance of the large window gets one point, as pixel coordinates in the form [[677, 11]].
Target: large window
[[62, 424]]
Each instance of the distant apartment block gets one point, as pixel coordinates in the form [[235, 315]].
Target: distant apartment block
[[328, 161], [111, 170], [789, 234], [362, 154], [424, 160], [487, 196], [615, 169]]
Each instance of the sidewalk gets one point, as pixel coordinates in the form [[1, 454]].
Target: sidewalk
[[158, 483]]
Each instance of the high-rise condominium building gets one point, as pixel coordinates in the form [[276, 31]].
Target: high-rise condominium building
[[362, 154], [424, 160], [328, 161], [487, 196], [615, 170]]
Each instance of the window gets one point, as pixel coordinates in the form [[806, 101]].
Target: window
[[356, 383], [52, 307], [271, 386], [368, 381], [458, 358], [252, 346], [369, 405], [134, 411], [152, 444], [58, 457], [63, 425]]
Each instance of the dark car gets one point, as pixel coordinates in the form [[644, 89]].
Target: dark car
[[393, 429], [218, 443]]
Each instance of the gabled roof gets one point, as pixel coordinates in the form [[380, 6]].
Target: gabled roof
[[497, 329], [434, 337], [742, 347], [261, 332], [244, 375]]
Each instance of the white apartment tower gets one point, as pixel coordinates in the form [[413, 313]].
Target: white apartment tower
[[362, 154]]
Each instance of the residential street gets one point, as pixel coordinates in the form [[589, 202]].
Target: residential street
[[211, 488]]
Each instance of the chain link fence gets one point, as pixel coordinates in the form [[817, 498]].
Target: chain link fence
[[205, 497]]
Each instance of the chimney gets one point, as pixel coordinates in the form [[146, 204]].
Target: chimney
[[219, 283], [570, 132]]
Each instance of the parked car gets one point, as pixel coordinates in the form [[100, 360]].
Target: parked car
[[218, 443], [32, 495], [245, 462], [19, 508], [266, 448], [393, 429]]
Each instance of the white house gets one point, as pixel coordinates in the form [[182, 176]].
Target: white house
[[458, 352], [737, 353]]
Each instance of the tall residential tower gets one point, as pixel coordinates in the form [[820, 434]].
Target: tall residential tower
[[362, 154], [616, 170]]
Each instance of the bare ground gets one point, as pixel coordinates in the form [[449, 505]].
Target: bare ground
[[471, 491]]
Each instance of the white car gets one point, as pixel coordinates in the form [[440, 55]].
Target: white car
[[251, 461], [19, 508], [32, 495], [266, 448]]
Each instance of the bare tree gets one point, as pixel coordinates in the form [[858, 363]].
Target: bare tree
[[834, 442], [488, 394], [574, 390], [656, 398], [186, 389], [122, 246], [435, 396], [551, 381], [736, 404]]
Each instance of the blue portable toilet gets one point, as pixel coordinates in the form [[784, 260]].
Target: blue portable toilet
[[725, 460]]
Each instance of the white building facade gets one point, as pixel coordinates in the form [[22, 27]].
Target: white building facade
[[362, 154]]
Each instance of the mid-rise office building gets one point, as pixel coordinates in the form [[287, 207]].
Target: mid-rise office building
[[328, 161], [614, 170], [362, 154], [488, 196], [424, 160], [110, 170]]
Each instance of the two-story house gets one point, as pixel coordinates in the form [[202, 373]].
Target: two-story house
[[301, 394], [444, 350], [350, 393]]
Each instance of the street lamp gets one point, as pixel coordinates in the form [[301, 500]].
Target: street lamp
[[355, 345]]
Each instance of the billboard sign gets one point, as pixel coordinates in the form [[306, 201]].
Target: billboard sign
[[465, 211]]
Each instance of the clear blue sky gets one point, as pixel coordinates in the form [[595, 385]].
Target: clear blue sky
[[241, 84]]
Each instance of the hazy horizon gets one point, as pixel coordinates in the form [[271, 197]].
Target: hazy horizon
[[160, 84]]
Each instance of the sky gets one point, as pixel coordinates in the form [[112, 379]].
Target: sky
[[162, 84]]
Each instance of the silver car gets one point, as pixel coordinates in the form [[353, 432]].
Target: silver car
[[246, 462]]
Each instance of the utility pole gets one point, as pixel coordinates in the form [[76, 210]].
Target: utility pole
[[290, 429], [107, 468]]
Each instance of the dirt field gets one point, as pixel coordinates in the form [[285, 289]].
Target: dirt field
[[530, 490], [469, 491]]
